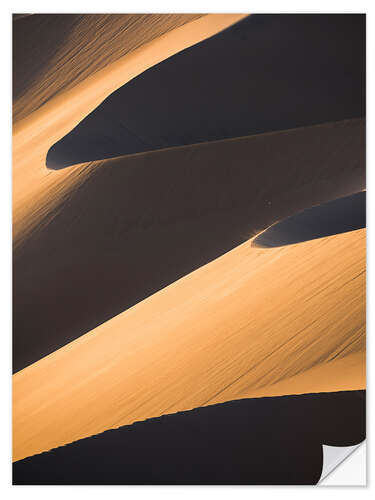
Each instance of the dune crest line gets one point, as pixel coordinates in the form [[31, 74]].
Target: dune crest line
[[34, 135], [196, 205], [286, 433], [78, 46], [189, 245], [179, 348]]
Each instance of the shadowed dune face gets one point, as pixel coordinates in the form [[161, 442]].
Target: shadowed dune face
[[70, 47], [134, 225], [265, 73], [334, 217], [253, 441]]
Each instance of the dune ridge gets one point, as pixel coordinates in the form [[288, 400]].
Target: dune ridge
[[343, 214], [220, 444], [221, 332], [33, 185], [242, 91], [139, 292], [197, 204], [78, 46]]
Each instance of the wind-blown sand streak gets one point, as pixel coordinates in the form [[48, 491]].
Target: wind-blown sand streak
[[54, 52], [247, 321]]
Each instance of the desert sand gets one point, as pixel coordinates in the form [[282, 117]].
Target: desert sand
[[71, 47], [137, 289], [258, 79], [250, 319], [127, 227], [33, 187], [227, 443]]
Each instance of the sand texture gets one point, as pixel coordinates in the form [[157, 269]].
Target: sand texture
[[227, 443], [250, 319], [189, 245], [127, 227]]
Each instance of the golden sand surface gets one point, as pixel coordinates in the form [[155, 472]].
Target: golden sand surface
[[35, 189], [129, 226], [254, 322]]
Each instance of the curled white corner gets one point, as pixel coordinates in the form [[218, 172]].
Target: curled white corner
[[334, 456]]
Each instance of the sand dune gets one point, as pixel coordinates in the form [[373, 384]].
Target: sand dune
[[35, 192], [264, 74], [336, 216], [71, 47], [223, 444], [130, 226], [138, 290], [248, 320]]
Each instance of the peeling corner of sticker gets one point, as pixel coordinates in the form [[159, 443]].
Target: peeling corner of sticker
[[333, 456]]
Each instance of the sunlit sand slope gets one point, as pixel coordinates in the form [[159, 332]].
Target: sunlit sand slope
[[35, 190], [54, 52], [243, 323], [127, 227], [93, 240]]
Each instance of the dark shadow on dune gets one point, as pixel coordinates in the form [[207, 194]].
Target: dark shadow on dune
[[251, 441], [335, 217], [266, 73], [139, 223], [31, 53]]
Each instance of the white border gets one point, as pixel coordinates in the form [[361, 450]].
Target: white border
[[110, 6], [159, 6]]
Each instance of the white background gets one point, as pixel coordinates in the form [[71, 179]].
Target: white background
[[141, 6]]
